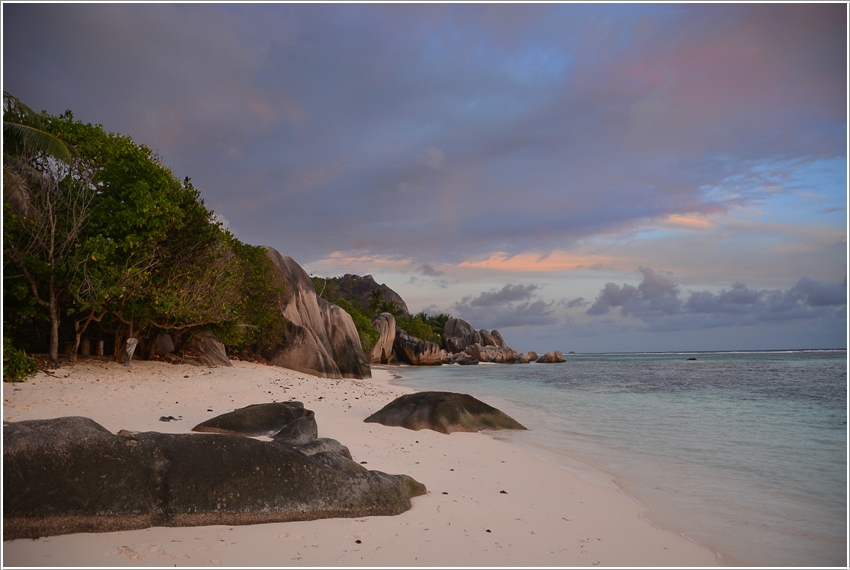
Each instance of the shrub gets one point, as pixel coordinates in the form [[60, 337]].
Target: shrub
[[17, 366], [419, 328], [369, 335]]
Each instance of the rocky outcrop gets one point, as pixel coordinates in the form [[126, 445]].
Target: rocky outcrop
[[553, 356], [445, 412], [209, 349], [411, 350], [71, 475], [319, 337], [362, 289], [486, 346], [383, 349], [457, 328], [495, 354], [461, 358], [346, 350]]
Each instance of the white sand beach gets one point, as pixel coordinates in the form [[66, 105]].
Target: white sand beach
[[489, 503]]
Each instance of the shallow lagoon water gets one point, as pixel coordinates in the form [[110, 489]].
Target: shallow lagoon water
[[743, 452]]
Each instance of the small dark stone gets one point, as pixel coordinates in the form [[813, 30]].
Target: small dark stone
[[503, 492], [358, 541]]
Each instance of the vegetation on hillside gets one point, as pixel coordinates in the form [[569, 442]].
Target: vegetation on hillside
[[103, 232], [421, 325]]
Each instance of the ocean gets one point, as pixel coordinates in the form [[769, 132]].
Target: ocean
[[742, 452]]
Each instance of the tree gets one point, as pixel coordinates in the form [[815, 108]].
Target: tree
[[23, 129], [41, 234], [114, 237], [389, 307], [376, 297]]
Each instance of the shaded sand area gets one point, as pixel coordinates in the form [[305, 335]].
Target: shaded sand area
[[488, 502]]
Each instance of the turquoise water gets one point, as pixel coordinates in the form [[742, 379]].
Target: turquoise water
[[743, 452]]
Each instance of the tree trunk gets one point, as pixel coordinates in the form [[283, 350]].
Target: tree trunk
[[54, 324]]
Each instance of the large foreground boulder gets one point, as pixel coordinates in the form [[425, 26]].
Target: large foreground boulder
[[444, 412], [319, 337], [71, 475]]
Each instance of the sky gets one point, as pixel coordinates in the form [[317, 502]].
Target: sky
[[581, 177]]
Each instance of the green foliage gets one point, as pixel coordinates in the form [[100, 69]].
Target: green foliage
[[17, 366], [258, 320], [416, 326], [389, 307], [145, 255], [369, 335], [424, 326], [326, 289]]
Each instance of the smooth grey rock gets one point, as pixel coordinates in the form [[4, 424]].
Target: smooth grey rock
[[286, 422], [346, 349], [325, 445], [492, 354], [487, 338], [164, 344], [383, 349], [462, 358], [210, 350], [417, 352], [456, 328], [497, 336], [319, 337], [445, 412], [71, 475], [552, 357]]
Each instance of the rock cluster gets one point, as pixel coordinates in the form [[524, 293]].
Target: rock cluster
[[483, 345], [553, 356], [320, 338], [411, 350], [71, 475]]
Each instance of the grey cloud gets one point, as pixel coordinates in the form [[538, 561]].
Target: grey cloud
[[656, 301], [429, 271], [819, 293], [513, 305], [507, 294], [655, 295]]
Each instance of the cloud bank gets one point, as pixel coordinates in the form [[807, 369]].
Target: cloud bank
[[658, 302]]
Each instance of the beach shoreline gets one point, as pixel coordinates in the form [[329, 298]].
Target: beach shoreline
[[489, 503]]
